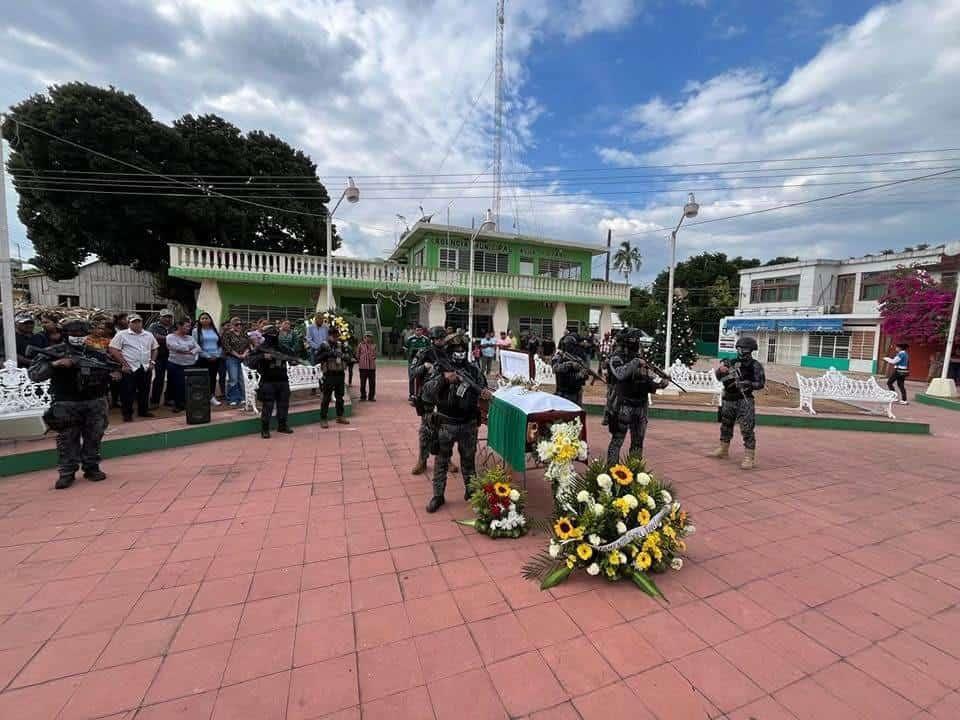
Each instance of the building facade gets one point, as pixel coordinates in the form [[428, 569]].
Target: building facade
[[520, 283], [822, 313], [116, 288]]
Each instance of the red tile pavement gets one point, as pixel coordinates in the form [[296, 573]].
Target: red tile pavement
[[300, 578]]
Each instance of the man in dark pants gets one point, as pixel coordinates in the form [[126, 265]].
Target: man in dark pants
[[159, 329], [136, 351], [458, 414], [740, 379], [570, 369], [367, 359], [629, 398], [274, 386], [420, 370], [413, 345], [332, 358], [78, 411]]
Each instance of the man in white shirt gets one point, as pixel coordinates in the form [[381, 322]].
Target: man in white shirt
[[136, 351]]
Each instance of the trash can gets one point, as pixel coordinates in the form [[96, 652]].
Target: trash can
[[197, 382]]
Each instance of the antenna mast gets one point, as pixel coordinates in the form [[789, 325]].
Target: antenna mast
[[498, 118]]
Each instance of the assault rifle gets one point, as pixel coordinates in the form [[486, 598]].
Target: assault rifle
[[733, 377], [660, 372], [584, 366], [85, 363], [277, 355]]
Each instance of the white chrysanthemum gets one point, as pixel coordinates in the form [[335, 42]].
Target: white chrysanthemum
[[676, 506], [643, 479], [545, 449], [689, 529], [623, 559], [598, 509], [604, 481], [621, 528], [676, 563], [651, 503], [494, 524], [582, 455], [631, 501], [666, 497], [554, 549], [514, 494], [595, 539], [593, 569], [583, 496]]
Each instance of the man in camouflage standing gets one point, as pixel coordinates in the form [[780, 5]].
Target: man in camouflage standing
[[421, 369]]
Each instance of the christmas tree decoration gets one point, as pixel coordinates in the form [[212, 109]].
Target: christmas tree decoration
[[683, 346]]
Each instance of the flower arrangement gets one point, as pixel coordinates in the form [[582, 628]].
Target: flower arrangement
[[617, 522], [563, 447], [517, 381], [497, 504], [339, 322]]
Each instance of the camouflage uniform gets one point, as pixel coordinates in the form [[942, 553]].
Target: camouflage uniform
[[571, 375], [743, 376], [627, 401]]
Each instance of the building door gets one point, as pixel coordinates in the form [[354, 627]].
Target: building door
[[844, 299], [772, 348]]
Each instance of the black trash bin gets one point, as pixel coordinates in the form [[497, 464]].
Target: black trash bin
[[197, 381]]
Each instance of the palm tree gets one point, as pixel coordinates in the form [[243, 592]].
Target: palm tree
[[627, 259]]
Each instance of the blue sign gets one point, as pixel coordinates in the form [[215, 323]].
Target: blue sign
[[818, 324], [750, 324]]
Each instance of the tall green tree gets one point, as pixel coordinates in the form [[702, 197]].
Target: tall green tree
[[644, 311], [76, 203], [627, 259]]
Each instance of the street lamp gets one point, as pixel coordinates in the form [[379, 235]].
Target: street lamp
[[487, 225], [944, 386], [352, 193], [690, 210]]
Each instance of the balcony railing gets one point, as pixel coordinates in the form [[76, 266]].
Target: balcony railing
[[248, 265]]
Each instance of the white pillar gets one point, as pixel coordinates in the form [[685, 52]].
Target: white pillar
[[208, 300], [944, 386], [501, 316], [559, 320], [606, 320], [6, 277], [436, 312]]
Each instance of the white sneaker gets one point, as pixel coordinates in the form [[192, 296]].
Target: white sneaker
[[214, 402], [903, 402]]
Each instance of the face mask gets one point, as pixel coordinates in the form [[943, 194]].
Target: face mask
[[743, 354], [459, 356], [75, 340]]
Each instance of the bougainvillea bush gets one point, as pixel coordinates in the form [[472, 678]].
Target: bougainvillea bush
[[915, 308]]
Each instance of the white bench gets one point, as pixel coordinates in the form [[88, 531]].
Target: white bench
[[300, 377], [834, 385], [698, 381], [22, 402], [544, 372]]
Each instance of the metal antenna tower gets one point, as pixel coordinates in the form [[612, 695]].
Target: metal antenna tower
[[498, 118]]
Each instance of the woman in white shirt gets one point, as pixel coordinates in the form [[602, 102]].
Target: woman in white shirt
[[211, 350], [183, 351]]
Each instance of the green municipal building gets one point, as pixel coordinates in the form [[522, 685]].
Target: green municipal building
[[524, 284]]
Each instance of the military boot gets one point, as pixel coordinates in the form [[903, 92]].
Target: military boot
[[721, 452], [420, 468], [749, 459], [435, 503], [265, 430], [94, 474], [64, 481]]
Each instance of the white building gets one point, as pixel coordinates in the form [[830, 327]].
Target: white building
[[115, 288], [818, 313]]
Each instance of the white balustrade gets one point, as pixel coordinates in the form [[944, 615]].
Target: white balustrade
[[380, 274], [834, 385], [19, 395]]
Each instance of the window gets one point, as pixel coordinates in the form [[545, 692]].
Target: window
[[949, 280], [772, 290], [484, 261], [252, 313], [453, 259], [149, 307], [560, 269], [861, 344], [873, 285], [418, 258], [541, 327], [830, 345], [68, 300], [526, 266], [573, 326]]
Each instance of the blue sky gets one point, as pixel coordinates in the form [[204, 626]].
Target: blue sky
[[384, 87]]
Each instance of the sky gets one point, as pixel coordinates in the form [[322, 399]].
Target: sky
[[614, 110]]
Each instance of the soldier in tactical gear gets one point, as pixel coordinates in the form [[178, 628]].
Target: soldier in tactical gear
[[570, 369], [274, 389], [740, 378], [79, 382], [454, 393], [631, 383], [333, 356], [420, 369]]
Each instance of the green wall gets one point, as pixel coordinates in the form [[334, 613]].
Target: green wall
[[514, 248], [823, 363], [265, 294]]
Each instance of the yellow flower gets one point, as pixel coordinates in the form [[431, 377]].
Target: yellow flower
[[669, 532], [622, 506], [681, 545], [576, 533], [501, 489], [643, 517], [613, 558], [571, 561], [563, 527], [657, 553], [611, 572], [643, 561], [622, 474], [584, 551]]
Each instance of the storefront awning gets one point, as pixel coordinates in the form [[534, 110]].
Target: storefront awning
[[818, 324], [750, 324]]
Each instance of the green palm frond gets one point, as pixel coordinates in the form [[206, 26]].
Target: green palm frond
[[541, 525], [541, 565], [569, 496]]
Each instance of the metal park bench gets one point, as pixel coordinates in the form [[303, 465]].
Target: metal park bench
[[834, 385], [300, 377]]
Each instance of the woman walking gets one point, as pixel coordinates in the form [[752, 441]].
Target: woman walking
[[183, 351], [211, 350]]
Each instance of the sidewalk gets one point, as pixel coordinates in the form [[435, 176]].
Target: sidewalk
[[299, 578]]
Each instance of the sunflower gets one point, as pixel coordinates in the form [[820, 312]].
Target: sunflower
[[643, 561], [643, 517], [563, 528], [584, 551], [622, 474], [501, 489]]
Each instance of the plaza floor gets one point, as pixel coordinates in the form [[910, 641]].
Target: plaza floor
[[300, 578]]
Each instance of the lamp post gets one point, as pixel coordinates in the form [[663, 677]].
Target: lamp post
[[944, 386], [352, 193], [487, 225], [6, 278], [690, 210]]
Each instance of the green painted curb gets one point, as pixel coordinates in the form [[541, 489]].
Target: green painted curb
[[189, 435], [937, 401], [810, 422]]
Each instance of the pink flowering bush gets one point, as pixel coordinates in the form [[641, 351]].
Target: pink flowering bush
[[915, 308]]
